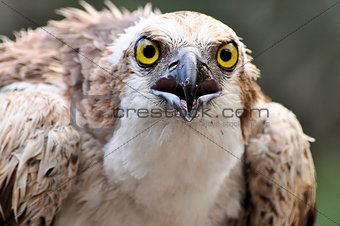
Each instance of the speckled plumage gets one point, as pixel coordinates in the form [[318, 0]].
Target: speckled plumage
[[151, 171], [39, 150]]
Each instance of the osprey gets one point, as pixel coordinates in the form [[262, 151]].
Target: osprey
[[141, 118]]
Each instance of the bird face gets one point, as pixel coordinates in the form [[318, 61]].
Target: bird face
[[187, 83], [188, 60]]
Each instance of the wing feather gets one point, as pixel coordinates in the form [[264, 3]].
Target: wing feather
[[39, 151], [279, 171]]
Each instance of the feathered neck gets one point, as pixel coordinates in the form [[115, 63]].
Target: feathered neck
[[170, 167]]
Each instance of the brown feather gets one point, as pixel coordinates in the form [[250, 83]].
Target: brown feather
[[279, 171], [40, 148], [37, 147]]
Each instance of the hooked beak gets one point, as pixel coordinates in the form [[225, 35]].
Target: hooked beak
[[187, 84]]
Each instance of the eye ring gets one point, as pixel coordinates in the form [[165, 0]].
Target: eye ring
[[227, 56], [146, 52]]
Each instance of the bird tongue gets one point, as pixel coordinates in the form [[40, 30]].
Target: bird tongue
[[184, 109], [184, 104]]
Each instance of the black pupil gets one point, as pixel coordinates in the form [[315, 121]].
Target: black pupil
[[149, 51], [225, 54]]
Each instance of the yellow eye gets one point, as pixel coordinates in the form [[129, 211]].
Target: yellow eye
[[147, 52], [227, 56]]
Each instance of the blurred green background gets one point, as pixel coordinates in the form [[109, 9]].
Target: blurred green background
[[300, 70]]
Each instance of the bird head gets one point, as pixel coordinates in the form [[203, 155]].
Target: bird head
[[183, 61]]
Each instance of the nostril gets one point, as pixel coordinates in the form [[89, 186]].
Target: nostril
[[205, 70], [169, 76], [205, 67], [173, 65]]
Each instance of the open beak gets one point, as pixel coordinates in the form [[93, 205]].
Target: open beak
[[187, 84]]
